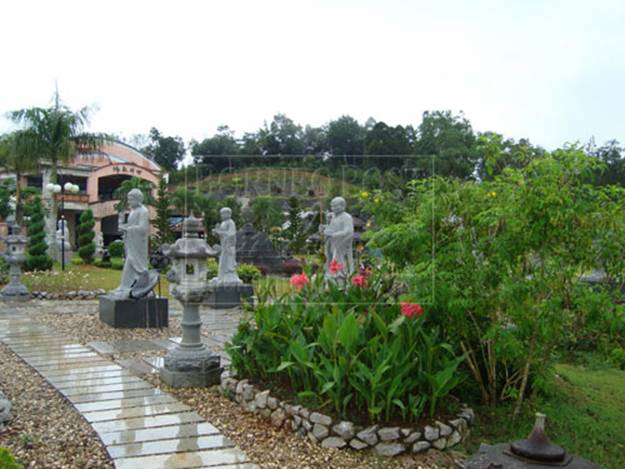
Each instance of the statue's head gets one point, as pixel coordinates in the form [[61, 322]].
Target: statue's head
[[226, 213], [338, 205], [135, 198]]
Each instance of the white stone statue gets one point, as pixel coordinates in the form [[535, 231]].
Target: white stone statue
[[135, 232], [227, 232], [339, 238], [62, 241], [99, 244]]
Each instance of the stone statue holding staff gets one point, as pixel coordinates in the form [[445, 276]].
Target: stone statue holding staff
[[227, 233], [339, 234]]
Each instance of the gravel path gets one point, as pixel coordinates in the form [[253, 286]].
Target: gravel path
[[46, 431], [264, 444]]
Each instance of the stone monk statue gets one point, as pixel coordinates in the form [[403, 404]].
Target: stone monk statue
[[227, 233], [135, 232], [339, 234]]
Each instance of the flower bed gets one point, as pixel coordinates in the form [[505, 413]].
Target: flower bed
[[335, 433], [350, 349]]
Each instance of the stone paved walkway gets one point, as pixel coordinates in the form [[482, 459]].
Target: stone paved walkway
[[140, 425]]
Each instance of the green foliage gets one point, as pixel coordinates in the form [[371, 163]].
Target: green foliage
[[347, 349], [164, 233], [117, 263], [295, 233], [7, 461], [7, 188], [166, 151], [121, 193], [37, 255], [116, 248], [4, 271], [249, 273], [266, 213], [500, 262], [86, 246]]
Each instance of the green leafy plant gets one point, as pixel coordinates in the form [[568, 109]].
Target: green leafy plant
[[117, 263], [86, 246], [248, 273], [116, 248], [7, 461], [349, 349]]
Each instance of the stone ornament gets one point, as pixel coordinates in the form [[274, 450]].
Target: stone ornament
[[135, 233], [227, 233], [63, 246], [15, 255], [339, 240]]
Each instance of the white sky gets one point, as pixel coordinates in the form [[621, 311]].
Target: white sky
[[552, 71]]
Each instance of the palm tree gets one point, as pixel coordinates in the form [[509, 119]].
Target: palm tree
[[19, 155], [121, 193]]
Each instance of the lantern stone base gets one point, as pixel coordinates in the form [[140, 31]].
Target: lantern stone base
[[196, 367], [229, 296], [15, 292], [141, 313]]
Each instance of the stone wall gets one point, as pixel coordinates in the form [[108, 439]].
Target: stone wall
[[330, 433]]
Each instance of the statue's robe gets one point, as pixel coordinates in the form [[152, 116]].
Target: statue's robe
[[227, 272], [339, 244], [135, 248]]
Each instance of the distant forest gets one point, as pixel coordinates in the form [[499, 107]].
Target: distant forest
[[443, 143]]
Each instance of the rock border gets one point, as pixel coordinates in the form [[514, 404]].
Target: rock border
[[68, 295], [330, 433]]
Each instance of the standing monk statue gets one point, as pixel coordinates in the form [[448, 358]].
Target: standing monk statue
[[339, 234], [135, 232], [227, 233]]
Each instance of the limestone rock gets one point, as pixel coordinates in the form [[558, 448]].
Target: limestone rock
[[344, 429], [307, 425], [406, 431], [414, 436], [240, 385], [454, 439], [320, 431], [272, 403], [322, 419], [5, 409], [420, 446], [388, 433], [248, 392], [304, 412], [333, 442], [357, 444], [445, 430], [296, 422], [261, 399], [277, 417], [369, 435], [441, 443], [459, 424], [312, 438], [431, 433], [389, 449]]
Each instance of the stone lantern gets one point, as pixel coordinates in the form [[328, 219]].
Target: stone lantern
[[15, 256], [190, 363]]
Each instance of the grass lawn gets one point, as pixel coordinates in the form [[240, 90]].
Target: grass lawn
[[585, 414]]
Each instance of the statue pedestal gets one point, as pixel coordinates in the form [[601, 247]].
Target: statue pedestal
[[141, 313], [192, 367], [229, 295]]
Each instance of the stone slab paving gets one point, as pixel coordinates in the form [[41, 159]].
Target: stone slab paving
[[141, 426]]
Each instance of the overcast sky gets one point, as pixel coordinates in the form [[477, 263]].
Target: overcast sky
[[552, 71]]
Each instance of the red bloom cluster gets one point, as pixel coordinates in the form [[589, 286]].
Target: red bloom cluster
[[335, 266], [411, 309], [299, 280], [359, 281]]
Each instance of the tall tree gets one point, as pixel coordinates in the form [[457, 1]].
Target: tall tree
[[346, 138], [496, 153], [281, 137], [164, 233], [447, 141], [166, 151], [19, 153], [384, 141], [216, 151]]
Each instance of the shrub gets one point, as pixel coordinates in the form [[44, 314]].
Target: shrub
[[116, 248], [7, 461], [212, 268], [76, 260], [4, 271], [350, 349], [248, 273], [37, 257], [117, 263], [86, 246]]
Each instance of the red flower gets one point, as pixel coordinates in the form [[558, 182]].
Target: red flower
[[335, 266], [299, 280], [411, 309], [359, 281]]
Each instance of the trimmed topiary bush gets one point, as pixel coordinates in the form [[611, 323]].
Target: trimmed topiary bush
[[37, 256], [248, 272], [116, 248], [86, 246]]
